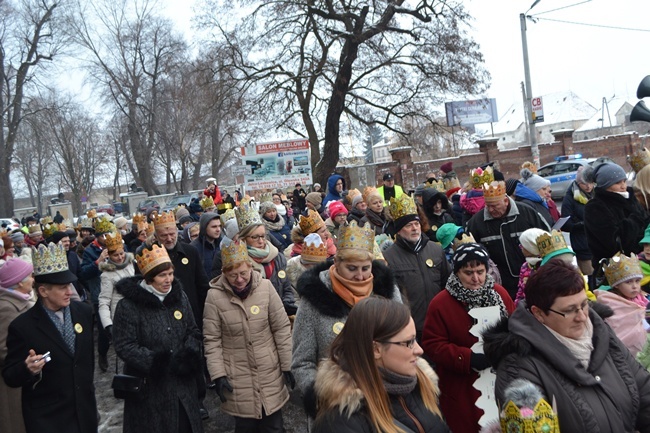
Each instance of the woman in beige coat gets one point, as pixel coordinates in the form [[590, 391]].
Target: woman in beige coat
[[247, 344]]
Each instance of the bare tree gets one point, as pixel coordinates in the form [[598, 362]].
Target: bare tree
[[28, 37], [378, 62]]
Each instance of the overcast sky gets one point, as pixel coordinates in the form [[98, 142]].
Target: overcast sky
[[593, 62]]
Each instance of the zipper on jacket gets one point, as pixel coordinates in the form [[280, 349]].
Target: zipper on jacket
[[410, 415]]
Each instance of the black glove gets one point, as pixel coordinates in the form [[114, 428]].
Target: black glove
[[109, 332], [478, 361], [289, 379], [291, 309], [221, 384]]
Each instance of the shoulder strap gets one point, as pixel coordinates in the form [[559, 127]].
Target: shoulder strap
[[402, 426]]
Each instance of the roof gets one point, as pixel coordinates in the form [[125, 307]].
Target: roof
[[599, 119]]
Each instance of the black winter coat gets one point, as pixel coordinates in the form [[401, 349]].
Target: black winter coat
[[611, 395], [614, 223], [576, 224], [62, 398], [160, 342]]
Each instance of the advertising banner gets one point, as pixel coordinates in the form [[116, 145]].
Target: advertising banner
[[277, 164], [467, 113], [537, 109]]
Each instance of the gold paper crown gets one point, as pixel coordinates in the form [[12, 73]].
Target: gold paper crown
[[139, 218], [247, 215], [206, 202], [639, 159], [165, 219], [402, 206], [92, 213], [103, 225], [47, 220], [621, 268], [266, 196], [438, 185], [62, 227], [113, 241], [36, 228], [358, 238], [494, 190], [235, 252], [541, 418], [49, 259], [530, 166], [370, 191], [310, 223], [314, 249], [150, 258], [222, 207], [151, 228], [478, 177], [548, 243], [451, 183], [86, 223], [142, 225], [49, 230], [351, 195], [227, 216], [466, 238]]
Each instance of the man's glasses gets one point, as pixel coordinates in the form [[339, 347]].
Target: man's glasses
[[572, 312], [408, 343]]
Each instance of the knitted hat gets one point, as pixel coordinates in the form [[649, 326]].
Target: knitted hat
[[337, 208], [57, 236], [180, 213], [315, 199], [230, 229], [419, 190], [469, 252], [528, 240], [17, 237], [356, 200], [266, 206], [533, 181], [604, 175], [446, 234], [511, 186], [120, 222], [14, 271], [446, 167]]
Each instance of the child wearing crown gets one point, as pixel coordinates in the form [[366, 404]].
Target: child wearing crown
[[625, 298]]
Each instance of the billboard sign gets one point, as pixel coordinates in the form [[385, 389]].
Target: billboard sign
[[277, 164], [465, 113], [537, 110]]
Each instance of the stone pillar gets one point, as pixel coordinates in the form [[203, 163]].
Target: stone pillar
[[489, 147], [565, 137], [405, 175]]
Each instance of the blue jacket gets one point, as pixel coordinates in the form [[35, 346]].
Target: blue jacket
[[206, 249], [332, 194], [89, 273], [531, 198]]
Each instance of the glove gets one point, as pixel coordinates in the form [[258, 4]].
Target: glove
[[290, 309], [478, 361], [289, 379], [221, 384], [109, 332]]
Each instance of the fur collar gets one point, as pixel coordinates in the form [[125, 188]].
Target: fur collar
[[335, 387], [323, 299], [130, 288], [109, 266]]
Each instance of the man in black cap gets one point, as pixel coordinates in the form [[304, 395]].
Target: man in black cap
[[389, 189], [50, 352]]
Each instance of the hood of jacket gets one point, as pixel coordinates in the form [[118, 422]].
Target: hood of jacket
[[131, 289], [185, 233], [109, 266], [472, 204], [335, 387], [311, 287], [204, 221], [522, 192], [331, 183]]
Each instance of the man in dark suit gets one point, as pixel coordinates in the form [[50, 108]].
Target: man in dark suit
[[50, 352]]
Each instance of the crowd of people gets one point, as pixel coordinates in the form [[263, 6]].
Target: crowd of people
[[364, 299]]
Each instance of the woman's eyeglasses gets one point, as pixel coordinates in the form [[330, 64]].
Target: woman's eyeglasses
[[572, 312], [408, 343], [256, 237]]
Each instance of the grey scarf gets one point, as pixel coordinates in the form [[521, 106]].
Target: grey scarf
[[486, 296]]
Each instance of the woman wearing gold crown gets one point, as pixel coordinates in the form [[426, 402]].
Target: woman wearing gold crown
[[156, 336], [247, 344], [559, 341], [327, 293]]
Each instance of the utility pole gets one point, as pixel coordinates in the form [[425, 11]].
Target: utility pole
[[532, 133]]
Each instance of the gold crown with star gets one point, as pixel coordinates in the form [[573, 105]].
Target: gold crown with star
[[164, 219], [138, 218], [621, 268], [494, 191], [246, 214], [104, 225], [49, 230], [206, 202], [541, 418], [150, 258], [49, 259], [113, 241], [233, 253], [370, 191], [266, 196], [227, 216], [354, 237], [310, 223], [639, 159], [46, 220], [402, 206], [438, 185], [465, 238], [548, 243], [478, 177], [86, 223], [314, 249]]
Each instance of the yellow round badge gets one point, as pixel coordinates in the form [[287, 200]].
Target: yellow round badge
[[429, 263], [185, 261], [78, 328], [255, 309], [282, 274], [178, 315], [338, 326]]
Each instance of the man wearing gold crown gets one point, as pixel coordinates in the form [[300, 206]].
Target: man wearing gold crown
[[498, 227], [419, 265]]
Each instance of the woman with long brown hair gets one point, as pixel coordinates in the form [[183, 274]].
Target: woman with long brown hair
[[374, 379]]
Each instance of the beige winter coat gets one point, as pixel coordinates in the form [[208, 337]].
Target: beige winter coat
[[108, 296], [249, 342]]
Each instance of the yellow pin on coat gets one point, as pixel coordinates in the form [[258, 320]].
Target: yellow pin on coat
[[78, 328], [178, 315]]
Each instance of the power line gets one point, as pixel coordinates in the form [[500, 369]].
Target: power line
[[563, 7], [594, 25]]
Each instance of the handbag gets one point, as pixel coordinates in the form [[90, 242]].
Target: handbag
[[125, 385]]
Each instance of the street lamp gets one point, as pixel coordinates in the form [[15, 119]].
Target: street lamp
[[532, 133]]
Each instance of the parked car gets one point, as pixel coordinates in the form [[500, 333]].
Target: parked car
[[118, 206], [183, 199], [562, 172], [9, 224], [144, 205], [106, 208]]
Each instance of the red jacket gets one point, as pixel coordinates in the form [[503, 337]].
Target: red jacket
[[216, 195], [447, 341]]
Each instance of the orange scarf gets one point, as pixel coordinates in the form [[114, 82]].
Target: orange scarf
[[350, 291]]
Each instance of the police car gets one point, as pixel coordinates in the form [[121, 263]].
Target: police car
[[562, 172]]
